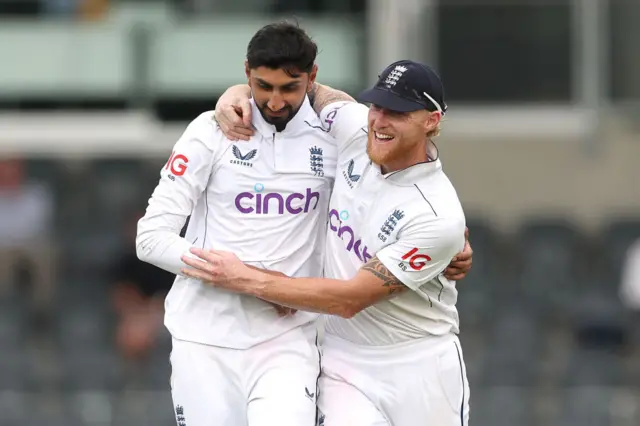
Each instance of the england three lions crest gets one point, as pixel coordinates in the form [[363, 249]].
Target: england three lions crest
[[316, 161], [390, 225]]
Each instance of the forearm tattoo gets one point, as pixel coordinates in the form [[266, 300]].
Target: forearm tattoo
[[389, 280]]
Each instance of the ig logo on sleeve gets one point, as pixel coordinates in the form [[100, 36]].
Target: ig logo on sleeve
[[415, 260], [177, 164]]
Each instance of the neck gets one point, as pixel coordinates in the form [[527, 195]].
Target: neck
[[416, 156]]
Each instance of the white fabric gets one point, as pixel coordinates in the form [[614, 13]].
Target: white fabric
[[411, 220], [270, 384], [265, 200], [421, 382]]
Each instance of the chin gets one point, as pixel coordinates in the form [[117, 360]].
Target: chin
[[376, 156], [274, 120], [280, 119]]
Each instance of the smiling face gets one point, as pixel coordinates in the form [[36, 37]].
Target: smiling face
[[279, 93], [398, 140]]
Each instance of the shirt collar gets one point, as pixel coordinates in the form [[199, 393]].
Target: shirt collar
[[297, 123], [416, 172]]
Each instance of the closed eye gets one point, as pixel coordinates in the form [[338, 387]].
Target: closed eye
[[290, 87]]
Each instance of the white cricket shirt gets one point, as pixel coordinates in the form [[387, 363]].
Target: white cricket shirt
[[411, 220], [265, 200]]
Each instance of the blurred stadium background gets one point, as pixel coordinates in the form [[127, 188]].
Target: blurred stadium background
[[542, 141]]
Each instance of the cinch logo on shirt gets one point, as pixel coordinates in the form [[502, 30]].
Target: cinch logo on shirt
[[262, 203], [340, 229]]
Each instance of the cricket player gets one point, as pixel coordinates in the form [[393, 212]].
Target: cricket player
[[235, 360], [391, 354]]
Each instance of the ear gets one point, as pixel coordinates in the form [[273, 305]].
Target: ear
[[432, 121], [247, 71], [312, 77]]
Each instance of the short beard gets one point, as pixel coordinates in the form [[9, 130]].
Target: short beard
[[280, 123], [383, 158]]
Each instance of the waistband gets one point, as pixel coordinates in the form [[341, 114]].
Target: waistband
[[411, 350]]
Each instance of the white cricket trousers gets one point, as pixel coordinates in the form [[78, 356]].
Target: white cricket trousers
[[271, 384], [418, 383]]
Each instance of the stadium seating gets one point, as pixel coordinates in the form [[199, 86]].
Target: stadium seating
[[545, 337]]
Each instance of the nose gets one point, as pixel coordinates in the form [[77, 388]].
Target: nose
[[276, 102]]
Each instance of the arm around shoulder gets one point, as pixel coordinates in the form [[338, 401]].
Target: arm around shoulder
[[321, 96], [344, 120]]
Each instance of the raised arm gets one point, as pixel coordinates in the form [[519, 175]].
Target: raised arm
[[233, 110], [322, 96]]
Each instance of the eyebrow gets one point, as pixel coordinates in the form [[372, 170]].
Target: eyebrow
[[290, 84]]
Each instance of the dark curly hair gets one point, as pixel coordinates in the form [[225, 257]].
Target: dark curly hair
[[282, 45]]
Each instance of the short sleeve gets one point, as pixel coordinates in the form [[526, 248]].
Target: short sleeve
[[344, 120], [424, 249]]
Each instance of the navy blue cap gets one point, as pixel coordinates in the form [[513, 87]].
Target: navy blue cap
[[406, 86]]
